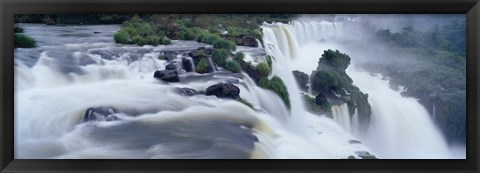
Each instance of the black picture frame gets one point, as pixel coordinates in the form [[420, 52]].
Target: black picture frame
[[10, 7]]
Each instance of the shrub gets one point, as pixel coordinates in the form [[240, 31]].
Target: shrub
[[219, 56], [220, 43], [122, 37], [301, 78], [233, 66], [276, 85], [23, 41], [324, 81], [335, 59], [17, 29], [263, 69], [187, 34], [269, 61], [239, 56], [203, 66]]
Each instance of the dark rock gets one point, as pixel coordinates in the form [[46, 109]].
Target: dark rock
[[224, 90], [320, 99], [170, 55], [167, 75], [171, 66], [198, 53], [250, 41], [100, 114], [96, 32], [365, 155], [187, 65], [354, 142], [187, 91]]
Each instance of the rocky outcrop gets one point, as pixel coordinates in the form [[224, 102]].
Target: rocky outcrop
[[224, 90], [188, 65], [100, 114], [187, 92], [365, 155], [249, 41], [167, 75]]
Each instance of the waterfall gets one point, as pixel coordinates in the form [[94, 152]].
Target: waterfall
[[313, 31], [401, 127], [342, 116]]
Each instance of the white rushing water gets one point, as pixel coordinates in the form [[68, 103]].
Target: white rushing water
[[58, 81]]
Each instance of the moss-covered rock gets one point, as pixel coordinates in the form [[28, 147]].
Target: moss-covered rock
[[301, 79], [23, 41]]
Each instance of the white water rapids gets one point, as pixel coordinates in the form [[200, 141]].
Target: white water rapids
[[56, 82]]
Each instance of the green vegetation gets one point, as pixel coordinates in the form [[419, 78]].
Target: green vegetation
[[313, 107], [263, 69], [239, 56], [276, 85], [439, 74], [23, 41], [202, 66], [326, 81], [137, 31], [233, 66], [301, 79], [219, 56], [269, 61], [17, 29], [245, 102], [162, 57], [334, 59]]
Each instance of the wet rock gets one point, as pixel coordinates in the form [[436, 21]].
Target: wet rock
[[187, 91], [187, 65], [100, 114], [250, 41], [170, 55], [224, 90], [354, 142], [167, 75], [171, 66], [365, 155]]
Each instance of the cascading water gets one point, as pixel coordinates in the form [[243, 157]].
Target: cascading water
[[58, 81], [400, 127], [342, 116]]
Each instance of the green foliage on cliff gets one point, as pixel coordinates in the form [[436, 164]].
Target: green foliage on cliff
[[335, 59], [325, 81], [276, 85], [23, 41], [440, 77], [263, 69], [202, 66], [233, 66], [301, 78]]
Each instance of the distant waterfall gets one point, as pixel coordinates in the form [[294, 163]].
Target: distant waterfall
[[308, 31], [289, 37]]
